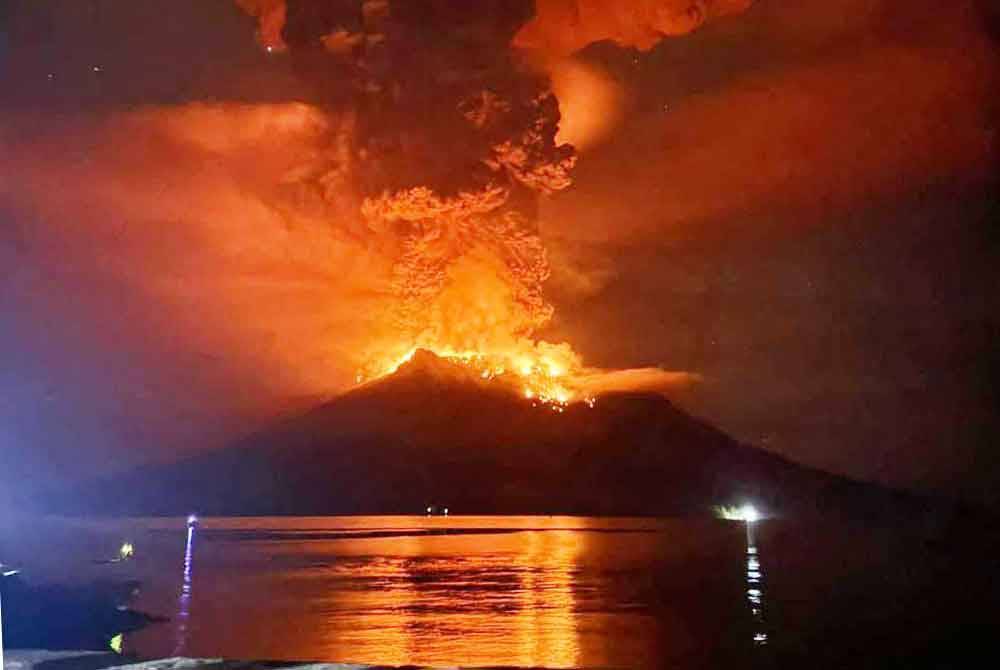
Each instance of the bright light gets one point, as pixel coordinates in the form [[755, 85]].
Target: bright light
[[746, 512], [192, 520], [126, 552], [750, 513]]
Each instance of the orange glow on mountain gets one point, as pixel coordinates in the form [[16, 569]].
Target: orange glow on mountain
[[541, 372]]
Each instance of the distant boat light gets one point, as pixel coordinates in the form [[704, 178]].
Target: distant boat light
[[192, 520], [750, 513]]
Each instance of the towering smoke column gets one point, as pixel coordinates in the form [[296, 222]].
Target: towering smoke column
[[444, 140], [445, 143]]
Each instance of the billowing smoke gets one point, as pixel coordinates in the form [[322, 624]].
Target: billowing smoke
[[445, 140], [592, 103], [563, 27]]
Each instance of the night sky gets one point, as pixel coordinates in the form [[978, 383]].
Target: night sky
[[797, 203]]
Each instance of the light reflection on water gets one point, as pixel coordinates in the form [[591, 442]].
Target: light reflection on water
[[184, 601], [489, 591], [526, 591], [755, 587], [519, 608]]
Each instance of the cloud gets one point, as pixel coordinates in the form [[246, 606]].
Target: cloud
[[563, 27], [871, 115], [175, 236], [597, 382], [591, 103]]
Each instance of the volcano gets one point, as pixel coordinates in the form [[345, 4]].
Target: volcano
[[436, 433]]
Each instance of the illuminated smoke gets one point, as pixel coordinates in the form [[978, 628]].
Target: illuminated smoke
[[445, 145], [446, 140], [591, 103], [563, 27], [307, 242]]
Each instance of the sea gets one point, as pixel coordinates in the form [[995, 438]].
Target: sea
[[529, 591]]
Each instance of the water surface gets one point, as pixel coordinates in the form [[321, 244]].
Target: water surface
[[517, 591]]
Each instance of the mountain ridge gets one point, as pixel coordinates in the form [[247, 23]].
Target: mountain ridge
[[436, 433]]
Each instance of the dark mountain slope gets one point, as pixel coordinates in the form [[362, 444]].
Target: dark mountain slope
[[434, 433]]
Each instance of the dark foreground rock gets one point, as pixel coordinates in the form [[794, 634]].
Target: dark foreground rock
[[58, 616]]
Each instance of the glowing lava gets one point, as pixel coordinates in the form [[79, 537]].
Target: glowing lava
[[543, 373]]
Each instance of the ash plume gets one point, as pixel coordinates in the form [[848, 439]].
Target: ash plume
[[448, 134], [446, 142]]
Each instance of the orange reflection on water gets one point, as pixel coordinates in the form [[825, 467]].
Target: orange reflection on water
[[546, 627], [388, 606], [440, 600]]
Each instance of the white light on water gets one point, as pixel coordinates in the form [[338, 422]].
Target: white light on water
[[184, 601]]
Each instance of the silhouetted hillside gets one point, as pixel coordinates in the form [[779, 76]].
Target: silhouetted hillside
[[434, 433]]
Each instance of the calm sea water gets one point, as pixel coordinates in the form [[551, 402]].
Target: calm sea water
[[515, 591]]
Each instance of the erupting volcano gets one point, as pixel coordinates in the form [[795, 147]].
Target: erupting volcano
[[439, 165], [440, 138], [544, 380], [373, 251]]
